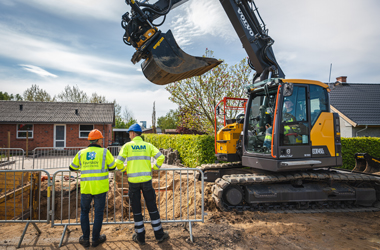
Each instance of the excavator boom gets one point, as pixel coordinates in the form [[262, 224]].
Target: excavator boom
[[165, 62]]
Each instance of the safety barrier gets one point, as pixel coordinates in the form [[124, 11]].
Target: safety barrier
[[53, 158], [11, 158], [180, 199], [25, 198], [114, 150]]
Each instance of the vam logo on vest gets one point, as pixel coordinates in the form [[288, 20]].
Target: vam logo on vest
[[91, 156], [138, 147]]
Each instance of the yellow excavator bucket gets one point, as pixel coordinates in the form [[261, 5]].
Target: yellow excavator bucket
[[168, 63]]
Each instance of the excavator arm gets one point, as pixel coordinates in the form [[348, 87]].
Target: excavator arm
[[164, 61]]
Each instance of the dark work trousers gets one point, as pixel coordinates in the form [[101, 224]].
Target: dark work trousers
[[85, 205], [150, 200]]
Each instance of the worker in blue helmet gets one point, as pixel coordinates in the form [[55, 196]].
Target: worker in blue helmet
[[139, 169]]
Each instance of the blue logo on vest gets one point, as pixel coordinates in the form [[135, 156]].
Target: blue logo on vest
[[137, 147], [91, 156]]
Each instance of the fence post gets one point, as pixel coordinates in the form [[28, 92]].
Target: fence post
[[9, 143]]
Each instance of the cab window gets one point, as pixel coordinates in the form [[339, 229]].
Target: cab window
[[294, 119], [318, 102]]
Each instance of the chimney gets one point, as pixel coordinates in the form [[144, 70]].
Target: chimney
[[342, 79]]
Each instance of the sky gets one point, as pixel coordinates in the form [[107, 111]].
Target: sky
[[79, 43]]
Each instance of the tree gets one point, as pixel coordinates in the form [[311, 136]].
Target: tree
[[10, 97], [95, 98], [124, 120], [169, 121], [35, 94], [72, 94], [197, 96]]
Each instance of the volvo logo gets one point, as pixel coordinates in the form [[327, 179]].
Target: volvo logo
[[245, 23]]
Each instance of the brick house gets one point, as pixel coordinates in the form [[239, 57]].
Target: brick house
[[53, 124]]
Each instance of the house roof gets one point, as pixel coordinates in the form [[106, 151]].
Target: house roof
[[357, 103], [56, 112]]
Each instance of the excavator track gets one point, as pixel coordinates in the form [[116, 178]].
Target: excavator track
[[259, 185]]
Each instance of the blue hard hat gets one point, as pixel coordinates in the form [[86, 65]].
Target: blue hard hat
[[135, 128]]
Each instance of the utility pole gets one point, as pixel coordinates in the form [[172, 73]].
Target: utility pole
[[154, 119]]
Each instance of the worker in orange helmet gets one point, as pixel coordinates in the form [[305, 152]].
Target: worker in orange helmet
[[94, 163]]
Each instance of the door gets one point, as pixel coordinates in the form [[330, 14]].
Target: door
[[59, 136], [295, 125]]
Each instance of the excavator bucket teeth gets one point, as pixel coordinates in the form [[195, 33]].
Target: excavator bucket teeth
[[167, 63]]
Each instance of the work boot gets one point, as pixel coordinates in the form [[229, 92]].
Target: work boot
[[163, 238], [135, 239], [102, 238], [83, 242]]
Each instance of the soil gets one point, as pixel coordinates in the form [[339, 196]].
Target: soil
[[220, 230]]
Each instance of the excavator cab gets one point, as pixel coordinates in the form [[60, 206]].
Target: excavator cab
[[285, 120]]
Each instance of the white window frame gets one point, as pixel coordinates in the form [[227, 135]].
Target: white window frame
[[32, 131], [85, 130]]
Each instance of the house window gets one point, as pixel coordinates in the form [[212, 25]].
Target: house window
[[22, 129], [84, 130]]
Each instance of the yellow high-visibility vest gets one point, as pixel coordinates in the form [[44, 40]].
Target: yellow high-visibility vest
[[93, 163], [138, 155]]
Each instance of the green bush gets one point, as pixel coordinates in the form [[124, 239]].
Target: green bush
[[194, 150], [350, 146]]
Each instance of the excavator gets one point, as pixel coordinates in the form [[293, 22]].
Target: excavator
[[284, 151]]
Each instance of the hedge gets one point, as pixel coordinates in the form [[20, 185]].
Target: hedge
[[194, 150], [351, 146]]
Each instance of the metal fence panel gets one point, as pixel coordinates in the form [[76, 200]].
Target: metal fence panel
[[180, 198], [25, 197], [53, 158], [12, 158], [114, 150]]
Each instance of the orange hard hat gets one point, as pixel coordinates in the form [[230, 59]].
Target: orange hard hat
[[95, 135]]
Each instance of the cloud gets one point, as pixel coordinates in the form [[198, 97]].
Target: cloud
[[84, 9], [37, 70], [197, 20], [36, 50]]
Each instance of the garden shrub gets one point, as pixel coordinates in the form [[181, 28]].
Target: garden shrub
[[194, 150]]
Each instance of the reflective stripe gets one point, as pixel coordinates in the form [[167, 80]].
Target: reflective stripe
[[121, 158], [75, 166], [139, 230], [156, 221], [157, 165], [99, 178], [113, 163], [80, 163], [157, 228], [97, 171], [139, 174], [153, 212], [139, 223], [132, 158], [157, 155], [104, 159]]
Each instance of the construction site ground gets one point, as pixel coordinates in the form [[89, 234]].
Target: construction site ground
[[222, 230]]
